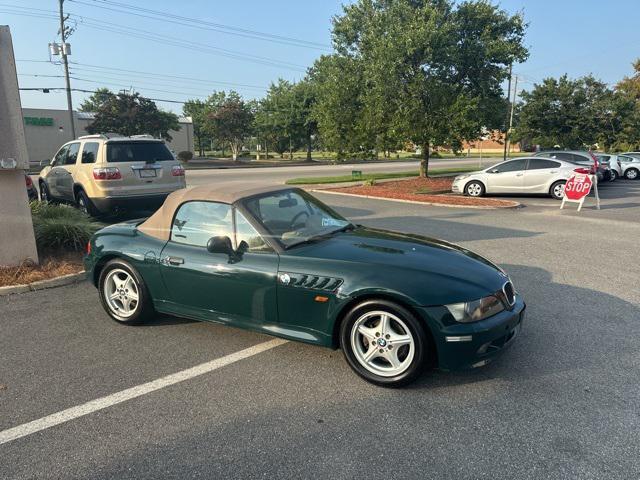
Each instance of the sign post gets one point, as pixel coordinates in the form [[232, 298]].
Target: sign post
[[578, 187], [17, 240]]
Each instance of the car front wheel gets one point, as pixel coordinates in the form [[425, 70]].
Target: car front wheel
[[631, 174], [474, 189], [384, 343], [123, 294], [557, 190]]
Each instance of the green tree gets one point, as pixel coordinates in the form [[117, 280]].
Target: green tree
[[569, 113], [96, 100], [230, 121], [429, 71], [625, 117], [198, 111], [131, 114]]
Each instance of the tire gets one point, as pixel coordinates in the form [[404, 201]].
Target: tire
[[557, 190], [118, 280], [631, 174], [364, 333], [474, 189], [45, 195], [614, 176], [84, 204]]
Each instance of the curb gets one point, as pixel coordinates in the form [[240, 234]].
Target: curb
[[43, 284], [416, 202]]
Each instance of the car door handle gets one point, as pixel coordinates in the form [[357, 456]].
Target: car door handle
[[519, 174], [175, 260]]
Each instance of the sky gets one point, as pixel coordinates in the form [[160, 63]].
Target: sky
[[120, 45]]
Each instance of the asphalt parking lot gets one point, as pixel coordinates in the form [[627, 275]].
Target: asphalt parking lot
[[561, 403]]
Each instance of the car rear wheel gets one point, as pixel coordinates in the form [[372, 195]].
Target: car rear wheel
[[557, 190], [384, 343], [631, 174], [614, 176], [84, 204], [123, 294], [474, 189]]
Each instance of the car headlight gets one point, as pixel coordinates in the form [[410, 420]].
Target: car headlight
[[475, 310], [461, 177]]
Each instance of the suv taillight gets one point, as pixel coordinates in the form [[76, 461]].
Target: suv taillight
[[88, 250], [109, 173], [28, 181], [177, 171]]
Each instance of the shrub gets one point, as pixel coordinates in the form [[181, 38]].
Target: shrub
[[185, 156], [370, 182], [61, 227]]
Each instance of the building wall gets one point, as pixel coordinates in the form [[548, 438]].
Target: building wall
[[47, 129]]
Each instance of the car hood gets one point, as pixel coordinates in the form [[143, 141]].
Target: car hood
[[441, 271]]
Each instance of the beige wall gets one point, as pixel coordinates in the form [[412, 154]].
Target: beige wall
[[43, 141]]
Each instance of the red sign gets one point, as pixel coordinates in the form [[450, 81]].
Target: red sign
[[578, 187]]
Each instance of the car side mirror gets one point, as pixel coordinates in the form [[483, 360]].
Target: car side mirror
[[220, 245], [45, 163], [495, 170]]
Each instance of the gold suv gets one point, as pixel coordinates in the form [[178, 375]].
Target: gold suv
[[102, 174]]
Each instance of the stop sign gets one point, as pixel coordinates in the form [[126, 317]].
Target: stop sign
[[578, 187]]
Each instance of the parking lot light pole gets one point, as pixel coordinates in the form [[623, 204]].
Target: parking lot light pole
[[506, 120], [65, 61]]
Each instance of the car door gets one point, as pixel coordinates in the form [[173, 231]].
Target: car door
[[54, 173], [66, 172], [507, 177], [538, 175], [215, 286]]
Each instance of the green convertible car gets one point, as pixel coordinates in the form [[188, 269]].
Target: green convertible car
[[278, 261]]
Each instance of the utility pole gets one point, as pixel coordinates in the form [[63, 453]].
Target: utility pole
[[515, 94], [65, 61], [506, 121]]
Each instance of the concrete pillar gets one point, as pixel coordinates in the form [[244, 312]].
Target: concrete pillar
[[17, 241]]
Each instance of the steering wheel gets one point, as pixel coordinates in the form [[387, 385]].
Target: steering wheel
[[295, 218]]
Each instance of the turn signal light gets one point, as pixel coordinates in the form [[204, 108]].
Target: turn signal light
[[109, 173], [88, 249], [177, 171]]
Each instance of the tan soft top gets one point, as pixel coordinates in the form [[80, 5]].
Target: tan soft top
[[159, 224]]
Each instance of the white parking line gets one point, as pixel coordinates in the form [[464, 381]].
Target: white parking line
[[133, 392]]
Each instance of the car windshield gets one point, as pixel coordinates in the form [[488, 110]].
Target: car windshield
[[295, 217], [137, 152]]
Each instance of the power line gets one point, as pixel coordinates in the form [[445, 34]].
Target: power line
[[95, 91], [202, 24]]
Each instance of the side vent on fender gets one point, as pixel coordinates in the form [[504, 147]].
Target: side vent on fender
[[315, 282]]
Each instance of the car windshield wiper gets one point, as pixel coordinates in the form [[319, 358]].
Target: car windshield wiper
[[317, 238]]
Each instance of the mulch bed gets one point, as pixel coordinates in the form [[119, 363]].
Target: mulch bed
[[50, 267], [428, 190]]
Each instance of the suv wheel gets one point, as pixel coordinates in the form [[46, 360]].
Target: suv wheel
[[614, 176], [45, 196], [631, 174], [84, 204]]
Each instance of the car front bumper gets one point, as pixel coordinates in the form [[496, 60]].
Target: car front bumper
[[135, 203], [471, 345], [456, 186]]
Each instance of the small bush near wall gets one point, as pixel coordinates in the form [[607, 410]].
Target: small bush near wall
[[61, 227], [185, 156]]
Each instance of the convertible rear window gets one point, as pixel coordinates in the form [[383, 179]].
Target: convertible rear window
[[138, 152]]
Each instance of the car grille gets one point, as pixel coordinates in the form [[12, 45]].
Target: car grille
[[509, 294]]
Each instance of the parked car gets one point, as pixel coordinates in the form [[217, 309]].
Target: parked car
[[278, 261], [631, 154], [578, 157], [630, 166], [32, 193], [535, 175], [101, 174], [613, 162]]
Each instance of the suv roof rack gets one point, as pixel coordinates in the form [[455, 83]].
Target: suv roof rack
[[101, 135]]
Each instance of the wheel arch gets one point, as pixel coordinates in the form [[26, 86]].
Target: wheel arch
[[389, 297], [97, 269]]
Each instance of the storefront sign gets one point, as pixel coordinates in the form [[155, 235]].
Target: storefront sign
[[39, 121]]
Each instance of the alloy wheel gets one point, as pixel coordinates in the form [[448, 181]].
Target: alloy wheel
[[121, 293], [382, 343], [631, 174], [558, 190]]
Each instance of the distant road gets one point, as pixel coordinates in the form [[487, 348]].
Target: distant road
[[277, 175]]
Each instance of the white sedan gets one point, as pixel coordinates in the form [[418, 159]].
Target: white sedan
[[535, 175]]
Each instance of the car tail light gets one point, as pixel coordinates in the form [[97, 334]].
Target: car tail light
[[88, 250], [584, 170], [109, 173], [177, 171], [28, 181]]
